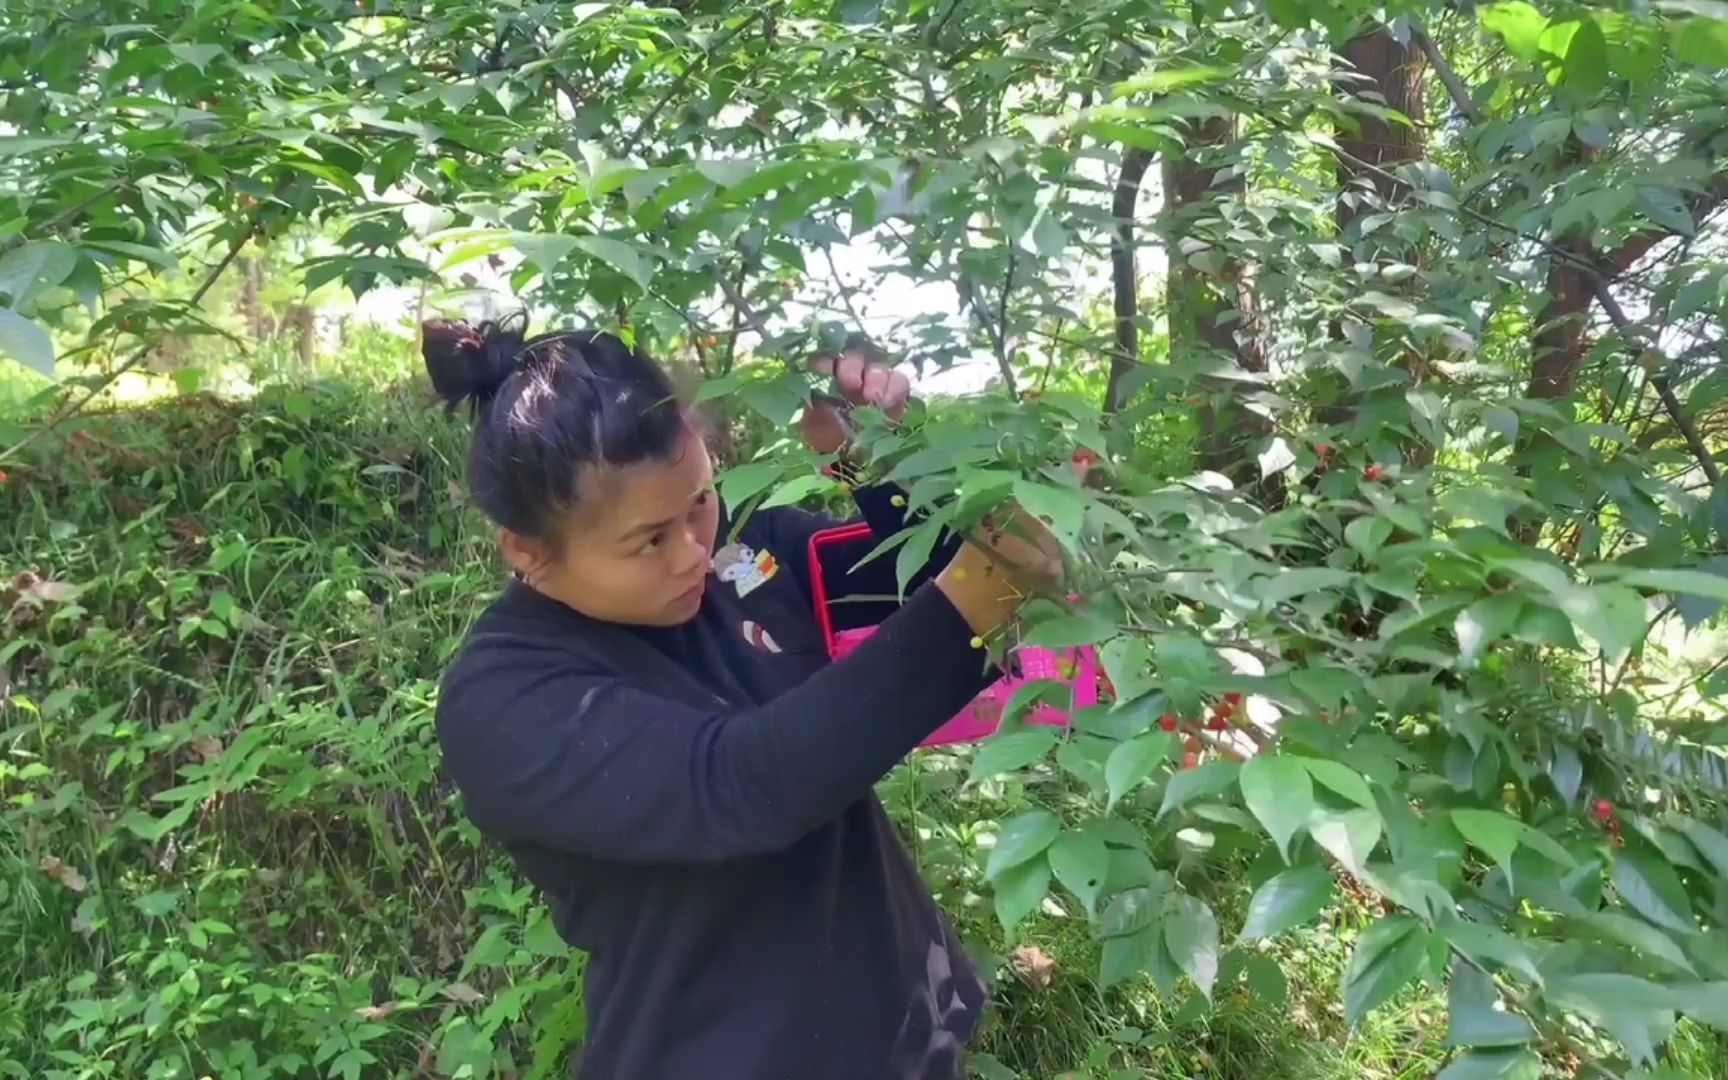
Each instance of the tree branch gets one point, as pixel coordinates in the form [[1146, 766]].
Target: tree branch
[[1455, 88]]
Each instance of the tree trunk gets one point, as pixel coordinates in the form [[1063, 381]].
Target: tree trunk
[[1210, 300], [1380, 72], [305, 326], [1125, 275], [1383, 73], [251, 303]]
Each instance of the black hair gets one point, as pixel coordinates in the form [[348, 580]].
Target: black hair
[[546, 407]]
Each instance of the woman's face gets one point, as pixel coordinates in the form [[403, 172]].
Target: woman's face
[[636, 548]]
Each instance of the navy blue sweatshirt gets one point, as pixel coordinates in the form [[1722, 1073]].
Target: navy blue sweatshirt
[[696, 805]]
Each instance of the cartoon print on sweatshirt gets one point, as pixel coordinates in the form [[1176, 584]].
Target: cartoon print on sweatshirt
[[745, 567]]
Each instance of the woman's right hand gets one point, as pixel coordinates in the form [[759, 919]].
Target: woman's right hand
[[1013, 557]]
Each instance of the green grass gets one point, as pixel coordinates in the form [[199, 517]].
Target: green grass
[[226, 849]]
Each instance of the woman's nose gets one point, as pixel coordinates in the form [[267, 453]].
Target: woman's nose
[[692, 553]]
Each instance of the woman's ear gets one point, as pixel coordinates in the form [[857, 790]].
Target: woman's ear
[[529, 558]]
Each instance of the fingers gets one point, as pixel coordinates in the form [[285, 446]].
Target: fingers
[[862, 381]]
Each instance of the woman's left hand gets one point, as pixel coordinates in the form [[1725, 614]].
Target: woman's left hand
[[861, 381]]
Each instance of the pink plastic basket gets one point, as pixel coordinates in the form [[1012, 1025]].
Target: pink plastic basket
[[1077, 668]]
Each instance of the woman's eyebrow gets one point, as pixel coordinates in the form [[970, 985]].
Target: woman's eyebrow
[[648, 527]]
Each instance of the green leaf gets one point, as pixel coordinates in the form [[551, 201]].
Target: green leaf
[[1288, 900], [1280, 794], [1019, 890], [1642, 938], [1701, 42], [1519, 24], [33, 267], [1289, 584], [1349, 836], [1067, 631], [1128, 955], [1614, 616], [1191, 935], [1328, 687], [625, 258], [1127, 661], [1081, 862], [914, 555], [1061, 509], [1493, 1065], [1340, 779], [1706, 1003], [1030, 694], [1586, 66], [988, 1067], [1368, 535], [1197, 783], [1543, 844], [1133, 761], [1485, 622], [1023, 838], [798, 489], [1267, 980], [1711, 844], [1492, 945], [1167, 79], [1390, 953], [1472, 1018], [1651, 888], [1134, 910], [1012, 750], [199, 56], [1290, 14], [1637, 1012], [1694, 582], [544, 250], [1667, 208], [26, 342], [1495, 833]]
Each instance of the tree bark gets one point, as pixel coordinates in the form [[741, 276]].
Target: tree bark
[[1125, 275], [1211, 301], [1386, 73], [1381, 72]]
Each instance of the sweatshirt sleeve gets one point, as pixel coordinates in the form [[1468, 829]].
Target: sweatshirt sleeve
[[591, 764]]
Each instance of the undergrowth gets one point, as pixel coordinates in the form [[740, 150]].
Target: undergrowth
[[226, 849]]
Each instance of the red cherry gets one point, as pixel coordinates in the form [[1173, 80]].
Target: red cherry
[[1219, 722], [3, 476], [1323, 449], [1169, 721], [1604, 810], [1233, 699], [1085, 457], [1189, 760], [1193, 744], [1373, 474]]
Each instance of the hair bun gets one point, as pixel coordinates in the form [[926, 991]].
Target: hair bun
[[470, 363]]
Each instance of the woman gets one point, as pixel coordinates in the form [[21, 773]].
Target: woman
[[660, 743]]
